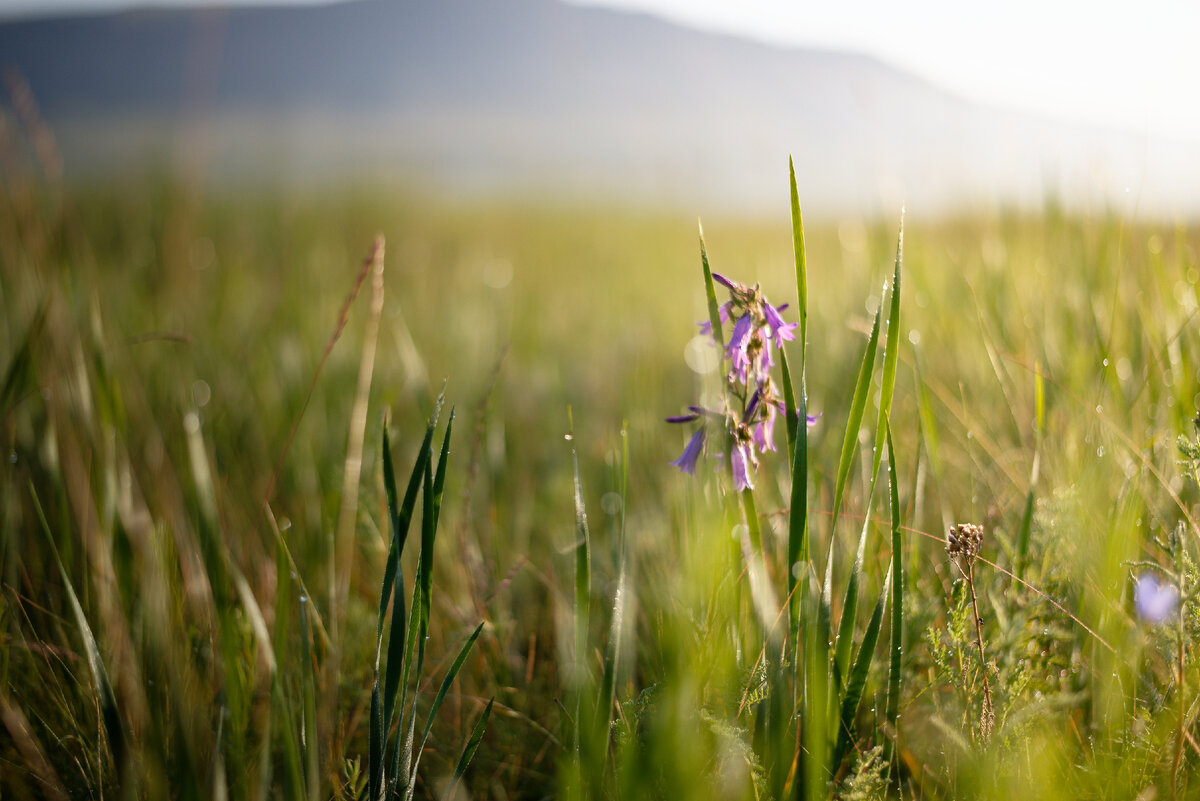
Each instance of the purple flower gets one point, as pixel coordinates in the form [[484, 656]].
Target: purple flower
[[691, 453], [723, 313], [725, 282], [735, 351], [779, 328], [1153, 601], [742, 460]]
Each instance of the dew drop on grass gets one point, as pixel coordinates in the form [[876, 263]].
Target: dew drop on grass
[[1104, 363], [568, 437], [1100, 452], [12, 457], [303, 599]]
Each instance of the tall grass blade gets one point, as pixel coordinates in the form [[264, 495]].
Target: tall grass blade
[[400, 515], [858, 405], [892, 715], [710, 295], [801, 268], [1039, 419], [451, 674], [19, 379], [583, 580], [857, 680], [375, 767], [110, 714], [891, 355], [469, 752]]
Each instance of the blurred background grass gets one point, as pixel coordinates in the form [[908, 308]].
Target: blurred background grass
[[128, 307]]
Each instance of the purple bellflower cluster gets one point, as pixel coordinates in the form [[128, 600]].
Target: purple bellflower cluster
[[752, 402]]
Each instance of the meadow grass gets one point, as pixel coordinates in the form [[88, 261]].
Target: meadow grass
[[200, 601]]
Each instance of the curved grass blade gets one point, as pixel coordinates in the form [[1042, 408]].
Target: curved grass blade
[[857, 408], [375, 774], [469, 752], [110, 714], [400, 516], [891, 355], [858, 405], [857, 681], [801, 267], [710, 294], [892, 716], [451, 674]]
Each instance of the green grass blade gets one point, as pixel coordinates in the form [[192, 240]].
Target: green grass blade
[[19, 379], [789, 401], [891, 355], [897, 624], [308, 684], [710, 295], [400, 516], [110, 714], [1039, 419], [845, 636], [801, 267], [375, 767], [418, 628], [583, 580], [858, 405], [451, 674], [439, 480], [469, 752], [857, 680], [862, 389]]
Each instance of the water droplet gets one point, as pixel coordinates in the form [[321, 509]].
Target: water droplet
[[1099, 409], [293, 572], [568, 437], [303, 599], [1105, 363], [1100, 451], [12, 457]]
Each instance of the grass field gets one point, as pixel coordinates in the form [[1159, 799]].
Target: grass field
[[195, 526]]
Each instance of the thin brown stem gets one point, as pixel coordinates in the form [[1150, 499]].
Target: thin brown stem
[[988, 716]]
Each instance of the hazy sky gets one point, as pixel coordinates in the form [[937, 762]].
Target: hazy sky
[[1128, 64]]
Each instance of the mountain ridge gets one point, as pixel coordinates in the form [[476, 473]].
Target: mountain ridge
[[473, 94]]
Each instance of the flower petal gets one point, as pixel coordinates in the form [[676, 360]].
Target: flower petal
[[691, 453]]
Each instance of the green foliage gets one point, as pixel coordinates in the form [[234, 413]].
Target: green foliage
[[158, 348]]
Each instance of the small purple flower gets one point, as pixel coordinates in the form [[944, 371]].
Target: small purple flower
[[1153, 601], [725, 282], [723, 314], [691, 453], [735, 351], [742, 460], [779, 328]]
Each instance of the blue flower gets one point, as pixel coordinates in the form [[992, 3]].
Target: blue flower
[[691, 453], [1153, 601]]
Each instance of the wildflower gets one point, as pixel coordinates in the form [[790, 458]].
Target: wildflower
[[743, 459], [691, 453], [747, 417], [1153, 601]]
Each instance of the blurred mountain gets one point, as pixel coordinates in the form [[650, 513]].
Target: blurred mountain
[[537, 95]]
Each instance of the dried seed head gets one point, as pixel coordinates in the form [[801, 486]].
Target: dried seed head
[[963, 544]]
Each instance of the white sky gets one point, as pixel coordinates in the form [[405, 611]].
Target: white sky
[[1129, 64], [1132, 65]]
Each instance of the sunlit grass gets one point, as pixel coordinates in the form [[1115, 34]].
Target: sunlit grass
[[158, 348]]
